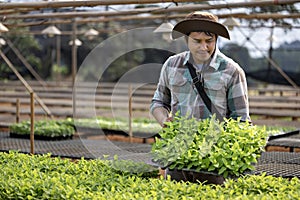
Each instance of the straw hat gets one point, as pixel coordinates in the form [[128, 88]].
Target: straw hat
[[199, 21]]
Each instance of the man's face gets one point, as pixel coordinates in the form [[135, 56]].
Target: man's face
[[202, 46]]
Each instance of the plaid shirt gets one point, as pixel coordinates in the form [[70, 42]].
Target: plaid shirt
[[224, 82]]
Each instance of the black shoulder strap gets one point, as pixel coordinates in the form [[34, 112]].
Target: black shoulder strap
[[199, 85]]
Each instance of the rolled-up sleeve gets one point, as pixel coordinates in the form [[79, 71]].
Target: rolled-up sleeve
[[238, 97], [162, 95]]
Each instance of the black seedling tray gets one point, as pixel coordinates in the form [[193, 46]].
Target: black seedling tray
[[287, 134], [40, 137]]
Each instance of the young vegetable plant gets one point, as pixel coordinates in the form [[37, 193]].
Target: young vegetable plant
[[127, 167], [45, 128], [44, 177], [143, 125], [227, 148]]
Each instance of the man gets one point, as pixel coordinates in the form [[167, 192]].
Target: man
[[223, 80]]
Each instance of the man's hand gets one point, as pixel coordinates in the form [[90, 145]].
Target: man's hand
[[168, 119], [162, 115]]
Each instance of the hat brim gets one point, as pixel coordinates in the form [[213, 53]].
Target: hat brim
[[186, 26]]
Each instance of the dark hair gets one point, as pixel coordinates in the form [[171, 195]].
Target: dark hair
[[199, 31]]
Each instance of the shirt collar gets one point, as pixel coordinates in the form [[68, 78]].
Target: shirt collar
[[213, 62]]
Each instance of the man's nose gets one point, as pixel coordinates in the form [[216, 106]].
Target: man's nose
[[202, 45]]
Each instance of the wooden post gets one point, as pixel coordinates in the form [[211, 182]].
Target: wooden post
[[32, 123], [18, 110], [130, 111]]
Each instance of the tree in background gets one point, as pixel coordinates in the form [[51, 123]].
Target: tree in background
[[28, 46]]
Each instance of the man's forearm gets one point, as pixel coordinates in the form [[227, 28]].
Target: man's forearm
[[161, 115]]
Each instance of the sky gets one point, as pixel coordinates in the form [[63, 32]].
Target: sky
[[260, 37]]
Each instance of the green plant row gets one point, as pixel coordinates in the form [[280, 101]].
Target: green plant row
[[65, 128], [40, 177], [227, 148], [278, 130], [46, 128], [147, 125], [143, 125]]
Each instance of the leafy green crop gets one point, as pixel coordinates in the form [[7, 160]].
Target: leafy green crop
[[130, 167], [143, 125], [46, 128], [39, 177], [278, 130], [227, 148]]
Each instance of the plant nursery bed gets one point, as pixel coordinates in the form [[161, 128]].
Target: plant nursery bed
[[40, 137], [284, 134], [285, 142], [129, 139], [87, 132], [43, 130]]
